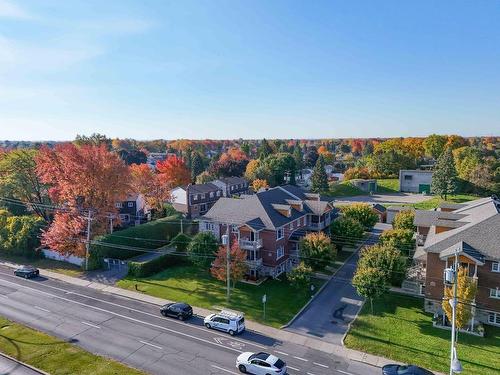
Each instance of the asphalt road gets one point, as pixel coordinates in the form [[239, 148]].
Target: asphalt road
[[136, 334]]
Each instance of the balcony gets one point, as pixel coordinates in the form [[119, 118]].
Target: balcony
[[254, 264], [251, 245]]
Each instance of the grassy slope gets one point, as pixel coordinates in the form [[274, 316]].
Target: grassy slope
[[53, 355], [48, 264], [400, 330], [388, 185], [435, 201], [197, 287], [344, 189]]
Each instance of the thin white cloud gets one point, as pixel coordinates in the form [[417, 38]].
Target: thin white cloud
[[8, 9], [118, 26]]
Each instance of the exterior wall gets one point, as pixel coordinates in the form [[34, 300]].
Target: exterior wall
[[50, 254], [417, 178], [196, 201], [434, 283], [391, 214], [487, 279], [179, 196]]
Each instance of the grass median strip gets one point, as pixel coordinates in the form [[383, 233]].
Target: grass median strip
[[53, 355], [400, 329]]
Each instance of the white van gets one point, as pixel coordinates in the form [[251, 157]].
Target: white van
[[227, 321]]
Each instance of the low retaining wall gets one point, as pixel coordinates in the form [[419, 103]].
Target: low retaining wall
[[50, 254]]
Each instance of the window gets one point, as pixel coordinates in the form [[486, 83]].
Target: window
[[195, 197], [203, 207], [203, 196], [211, 194], [290, 226], [218, 193], [495, 293], [234, 228], [131, 204], [209, 226], [280, 233], [494, 318], [495, 267], [118, 205], [280, 252], [408, 177]]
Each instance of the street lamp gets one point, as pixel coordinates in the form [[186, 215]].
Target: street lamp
[[451, 277]]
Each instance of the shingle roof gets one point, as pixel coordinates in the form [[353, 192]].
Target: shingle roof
[[462, 247], [379, 207], [424, 218], [203, 188], [233, 180]]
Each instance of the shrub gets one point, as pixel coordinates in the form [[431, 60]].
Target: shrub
[[202, 249], [300, 276], [404, 220], [401, 239], [145, 269], [19, 235], [317, 250], [387, 259], [346, 231], [361, 212], [180, 242]]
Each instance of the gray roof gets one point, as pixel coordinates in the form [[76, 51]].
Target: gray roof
[[379, 207], [463, 248], [233, 180], [202, 188], [425, 218], [481, 229]]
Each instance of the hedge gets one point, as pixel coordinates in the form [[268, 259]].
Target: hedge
[[145, 269], [149, 236]]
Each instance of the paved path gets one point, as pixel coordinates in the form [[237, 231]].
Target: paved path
[[133, 332], [396, 198], [328, 316], [10, 367]]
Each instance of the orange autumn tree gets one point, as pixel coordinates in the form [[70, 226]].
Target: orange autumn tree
[[259, 184], [173, 171], [237, 264], [80, 179], [149, 183]]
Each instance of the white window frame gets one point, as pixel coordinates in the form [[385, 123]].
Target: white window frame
[[234, 229], [279, 231], [118, 205], [495, 293], [494, 318], [195, 197], [495, 266], [131, 204], [211, 194], [209, 226], [290, 226], [280, 252]]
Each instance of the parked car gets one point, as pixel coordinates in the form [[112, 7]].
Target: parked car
[[260, 364], [404, 370], [227, 321], [27, 272], [177, 310]]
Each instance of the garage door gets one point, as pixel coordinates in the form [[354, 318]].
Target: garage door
[[424, 188]]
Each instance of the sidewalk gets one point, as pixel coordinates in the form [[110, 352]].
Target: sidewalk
[[277, 334]]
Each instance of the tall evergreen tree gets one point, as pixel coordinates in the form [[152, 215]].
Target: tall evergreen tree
[[444, 178], [299, 159], [319, 178], [264, 149], [196, 165]]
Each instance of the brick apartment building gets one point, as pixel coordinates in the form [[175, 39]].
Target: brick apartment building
[[269, 225], [474, 230]]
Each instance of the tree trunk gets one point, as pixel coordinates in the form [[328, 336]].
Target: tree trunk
[[371, 304]]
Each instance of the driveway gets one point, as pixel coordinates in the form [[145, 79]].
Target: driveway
[[396, 198], [328, 316]]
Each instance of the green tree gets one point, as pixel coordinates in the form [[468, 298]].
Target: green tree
[[264, 149], [387, 259], [346, 231], [404, 220], [245, 147], [19, 180], [202, 249], [196, 165], [401, 239], [466, 160], [434, 145], [444, 178], [298, 157], [96, 139], [319, 179], [370, 283], [19, 235], [362, 212], [275, 167], [466, 293], [300, 276], [204, 177], [317, 250], [181, 242]]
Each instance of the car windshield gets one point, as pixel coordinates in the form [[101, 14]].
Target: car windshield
[[187, 308], [279, 364], [403, 370], [241, 321]]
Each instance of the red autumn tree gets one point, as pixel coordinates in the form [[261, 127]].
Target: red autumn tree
[[81, 178], [148, 183], [173, 172], [237, 264], [231, 163]]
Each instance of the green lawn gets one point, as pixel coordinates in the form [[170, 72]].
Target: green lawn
[[435, 201], [53, 355], [344, 189], [388, 185], [199, 288], [48, 264], [400, 330]]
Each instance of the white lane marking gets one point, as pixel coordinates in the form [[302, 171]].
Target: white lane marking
[[223, 369], [320, 364], [148, 343], [300, 359], [91, 325], [344, 372], [41, 308], [310, 373], [123, 316], [292, 368], [131, 309], [283, 353]]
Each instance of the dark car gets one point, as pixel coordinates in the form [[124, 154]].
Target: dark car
[[404, 370], [27, 272], [177, 310]]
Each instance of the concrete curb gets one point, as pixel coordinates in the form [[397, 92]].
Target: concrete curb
[[350, 323], [23, 364]]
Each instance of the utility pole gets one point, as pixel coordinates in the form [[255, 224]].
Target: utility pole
[[87, 243], [228, 262], [455, 365], [110, 223]]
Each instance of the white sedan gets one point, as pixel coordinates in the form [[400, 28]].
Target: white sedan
[[260, 364]]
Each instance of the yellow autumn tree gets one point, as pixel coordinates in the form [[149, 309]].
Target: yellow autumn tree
[[466, 292], [259, 184]]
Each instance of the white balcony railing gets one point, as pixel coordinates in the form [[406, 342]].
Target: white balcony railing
[[254, 263], [250, 245]]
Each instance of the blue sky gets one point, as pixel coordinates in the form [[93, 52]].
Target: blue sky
[[249, 68]]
